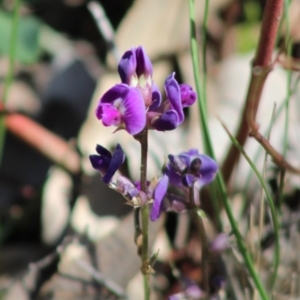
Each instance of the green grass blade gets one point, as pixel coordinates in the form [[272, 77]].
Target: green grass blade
[[270, 203], [9, 75], [209, 149], [204, 46], [207, 144]]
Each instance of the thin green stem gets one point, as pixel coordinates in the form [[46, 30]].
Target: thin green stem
[[143, 138], [208, 147], [145, 217], [204, 45], [270, 202], [289, 80], [137, 230], [204, 243], [9, 75]]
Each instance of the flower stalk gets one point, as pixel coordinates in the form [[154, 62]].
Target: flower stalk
[[143, 139]]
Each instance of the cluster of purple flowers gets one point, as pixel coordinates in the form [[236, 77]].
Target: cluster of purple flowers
[[186, 170], [136, 104]]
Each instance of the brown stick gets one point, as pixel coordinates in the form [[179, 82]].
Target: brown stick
[[46, 142], [261, 67]]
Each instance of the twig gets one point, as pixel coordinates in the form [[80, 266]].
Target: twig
[[104, 27], [262, 66], [43, 140], [97, 276], [43, 269]]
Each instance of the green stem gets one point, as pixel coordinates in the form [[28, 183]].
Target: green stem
[[204, 243], [207, 143], [9, 75], [270, 202], [143, 138], [137, 230], [145, 260], [204, 42]]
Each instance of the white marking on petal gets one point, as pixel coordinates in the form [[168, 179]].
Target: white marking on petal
[[119, 105], [134, 81]]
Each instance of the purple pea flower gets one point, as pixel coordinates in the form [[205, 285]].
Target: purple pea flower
[[108, 164], [170, 114], [135, 69], [137, 101], [122, 106], [186, 170]]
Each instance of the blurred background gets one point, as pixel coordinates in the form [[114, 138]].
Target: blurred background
[[57, 57]]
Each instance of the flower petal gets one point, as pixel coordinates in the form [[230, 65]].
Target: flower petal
[[177, 163], [123, 104], [144, 65], [167, 121], [188, 180], [99, 163], [173, 94], [116, 161], [159, 194], [127, 66], [208, 170], [103, 152], [119, 91], [156, 98], [109, 115], [192, 151], [188, 96], [134, 114], [174, 176]]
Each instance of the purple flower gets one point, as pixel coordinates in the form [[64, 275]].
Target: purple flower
[[186, 170], [135, 68], [170, 115], [191, 167], [106, 163], [137, 101], [122, 106]]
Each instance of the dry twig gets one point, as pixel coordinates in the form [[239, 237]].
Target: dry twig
[[262, 66]]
